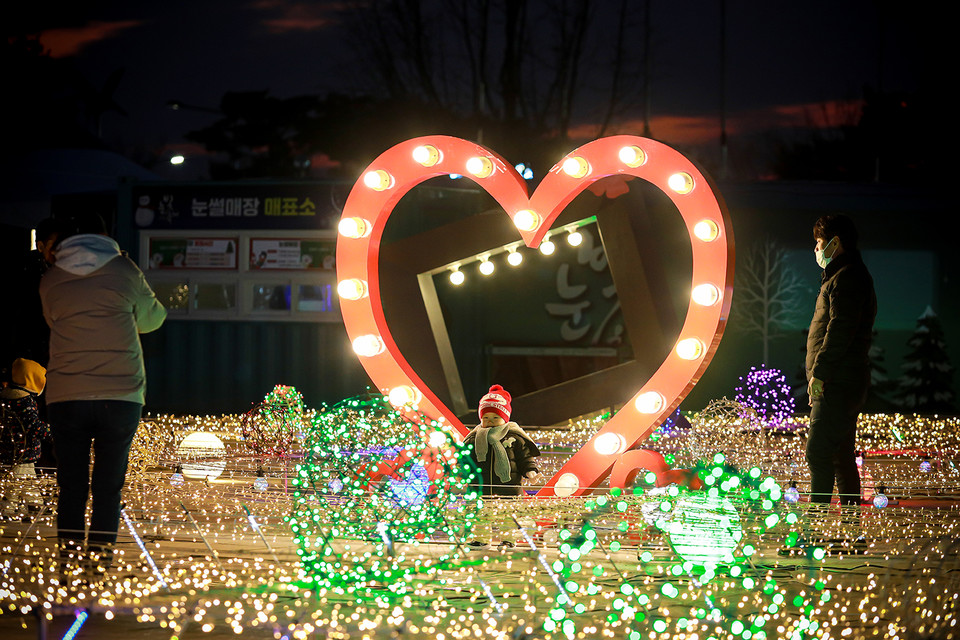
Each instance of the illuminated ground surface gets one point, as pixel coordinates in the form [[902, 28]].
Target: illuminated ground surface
[[620, 572]]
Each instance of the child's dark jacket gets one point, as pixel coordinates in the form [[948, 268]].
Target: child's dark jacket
[[521, 453]]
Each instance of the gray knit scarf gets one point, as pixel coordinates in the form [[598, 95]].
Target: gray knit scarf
[[492, 436]]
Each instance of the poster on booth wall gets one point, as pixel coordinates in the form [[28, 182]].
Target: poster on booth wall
[[193, 253], [286, 253]]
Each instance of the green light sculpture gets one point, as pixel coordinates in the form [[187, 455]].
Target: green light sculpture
[[380, 496]]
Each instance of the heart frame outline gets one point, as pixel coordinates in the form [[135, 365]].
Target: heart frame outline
[[395, 172]]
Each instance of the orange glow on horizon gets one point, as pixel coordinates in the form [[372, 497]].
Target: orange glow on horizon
[[705, 129], [296, 16], [69, 41]]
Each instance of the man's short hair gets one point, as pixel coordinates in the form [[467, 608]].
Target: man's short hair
[[46, 228], [837, 225]]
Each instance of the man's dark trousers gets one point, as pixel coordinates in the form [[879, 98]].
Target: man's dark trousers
[[831, 444]]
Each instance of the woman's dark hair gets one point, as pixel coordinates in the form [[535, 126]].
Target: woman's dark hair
[[81, 223], [836, 225]]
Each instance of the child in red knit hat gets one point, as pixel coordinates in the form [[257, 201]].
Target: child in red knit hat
[[504, 453]]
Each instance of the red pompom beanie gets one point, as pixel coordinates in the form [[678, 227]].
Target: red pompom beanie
[[496, 401]]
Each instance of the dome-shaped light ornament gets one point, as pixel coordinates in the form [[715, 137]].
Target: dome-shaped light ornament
[[203, 455], [566, 485]]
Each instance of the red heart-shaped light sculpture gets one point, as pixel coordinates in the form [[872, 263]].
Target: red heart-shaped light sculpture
[[409, 163]]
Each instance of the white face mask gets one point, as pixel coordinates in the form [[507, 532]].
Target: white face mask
[[822, 260]]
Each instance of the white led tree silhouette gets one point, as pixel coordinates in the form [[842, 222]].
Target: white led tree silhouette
[[926, 385], [768, 293]]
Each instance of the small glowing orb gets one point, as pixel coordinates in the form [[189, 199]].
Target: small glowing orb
[[576, 167], [681, 182], [925, 466], [404, 395], [567, 485], [649, 402], [792, 494], [706, 230], [177, 159], [426, 155], [260, 483], [378, 180], [176, 479], [480, 166], [514, 258], [609, 444], [411, 490], [457, 277], [368, 345], [705, 294], [353, 227], [352, 289], [702, 529], [526, 220], [486, 267], [574, 238], [547, 247], [202, 456], [632, 156], [689, 348], [880, 501]]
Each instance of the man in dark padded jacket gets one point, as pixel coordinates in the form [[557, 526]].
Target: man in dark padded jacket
[[838, 367]]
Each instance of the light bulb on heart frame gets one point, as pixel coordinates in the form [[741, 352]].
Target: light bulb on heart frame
[[704, 215]]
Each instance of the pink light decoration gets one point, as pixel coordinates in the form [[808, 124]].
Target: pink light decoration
[[399, 169]]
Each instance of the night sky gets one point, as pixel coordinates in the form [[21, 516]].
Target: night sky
[[788, 63]]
